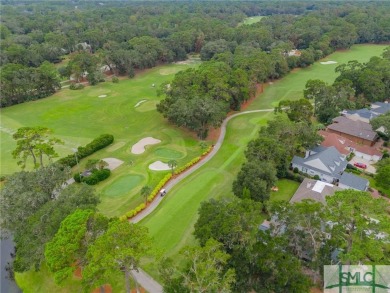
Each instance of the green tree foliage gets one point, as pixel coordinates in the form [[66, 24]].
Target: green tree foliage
[[24, 193], [204, 270], [68, 248], [382, 121], [20, 84], [172, 164], [382, 176], [118, 250], [261, 262], [361, 226], [232, 223], [61, 252], [258, 178], [34, 142], [84, 63], [41, 226], [296, 111], [302, 224], [329, 100], [266, 266], [145, 192]]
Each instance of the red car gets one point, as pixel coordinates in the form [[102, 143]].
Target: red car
[[360, 165]]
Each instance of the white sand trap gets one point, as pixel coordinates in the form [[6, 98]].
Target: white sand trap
[[328, 62], [139, 103], [159, 166], [139, 147], [113, 163], [102, 96]]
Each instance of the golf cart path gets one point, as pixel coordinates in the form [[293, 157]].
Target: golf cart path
[[142, 277], [191, 170]]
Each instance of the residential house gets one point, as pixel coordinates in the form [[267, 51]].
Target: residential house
[[365, 115], [314, 190], [380, 108], [357, 131], [327, 163], [345, 146], [350, 181]]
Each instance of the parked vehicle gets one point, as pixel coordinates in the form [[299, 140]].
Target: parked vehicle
[[360, 165], [163, 192]]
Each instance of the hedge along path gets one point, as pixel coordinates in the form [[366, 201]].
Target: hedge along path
[[154, 204]]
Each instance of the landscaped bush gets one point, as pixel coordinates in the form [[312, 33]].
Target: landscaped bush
[[316, 177], [82, 152], [115, 79], [351, 167], [350, 156], [94, 178], [296, 177], [76, 86], [296, 170]]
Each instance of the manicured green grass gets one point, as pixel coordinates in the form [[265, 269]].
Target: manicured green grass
[[77, 117], [43, 281], [171, 224], [251, 20], [291, 86], [286, 190]]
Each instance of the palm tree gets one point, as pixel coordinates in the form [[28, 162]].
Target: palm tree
[[145, 191], [172, 164]]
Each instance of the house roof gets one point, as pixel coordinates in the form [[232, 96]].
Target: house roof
[[357, 128], [315, 190], [345, 145], [380, 108], [333, 139], [328, 161], [363, 113], [353, 181]]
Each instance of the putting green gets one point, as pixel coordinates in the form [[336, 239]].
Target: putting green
[[123, 185], [147, 106], [168, 153]]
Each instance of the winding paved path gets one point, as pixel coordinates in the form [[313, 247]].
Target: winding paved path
[[143, 278]]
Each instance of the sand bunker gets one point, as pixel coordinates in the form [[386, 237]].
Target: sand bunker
[[139, 103], [139, 147], [113, 163], [328, 62], [159, 166], [102, 96]]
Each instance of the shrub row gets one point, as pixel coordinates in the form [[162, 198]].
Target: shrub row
[[94, 178], [150, 198], [161, 184], [82, 152]]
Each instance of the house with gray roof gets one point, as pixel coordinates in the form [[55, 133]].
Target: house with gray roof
[[327, 163], [364, 115], [315, 190], [357, 131], [380, 108], [351, 181]]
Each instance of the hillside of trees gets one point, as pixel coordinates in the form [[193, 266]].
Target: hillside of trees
[[127, 36]]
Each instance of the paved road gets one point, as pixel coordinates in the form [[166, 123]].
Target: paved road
[[143, 278]]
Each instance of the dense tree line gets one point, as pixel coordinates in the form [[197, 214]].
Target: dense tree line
[[357, 85], [126, 36]]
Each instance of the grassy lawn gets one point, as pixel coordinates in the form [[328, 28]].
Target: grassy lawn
[[171, 224], [251, 20], [77, 117], [291, 86], [286, 190], [385, 192], [43, 281]]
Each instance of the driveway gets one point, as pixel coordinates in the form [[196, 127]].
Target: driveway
[[370, 168]]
